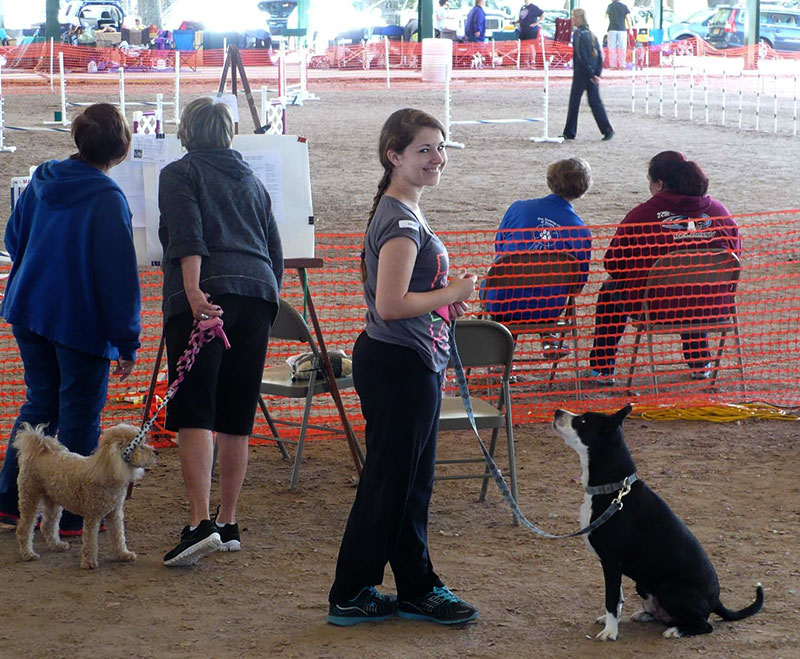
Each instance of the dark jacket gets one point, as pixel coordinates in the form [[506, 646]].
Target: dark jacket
[[587, 56], [212, 205], [476, 22], [74, 280]]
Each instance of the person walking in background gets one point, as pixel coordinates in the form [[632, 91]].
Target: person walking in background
[[440, 18], [475, 25], [405, 268], [72, 296], [222, 253], [587, 66], [529, 18], [679, 214], [618, 23], [549, 223]]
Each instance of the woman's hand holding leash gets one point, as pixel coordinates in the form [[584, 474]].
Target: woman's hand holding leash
[[202, 308]]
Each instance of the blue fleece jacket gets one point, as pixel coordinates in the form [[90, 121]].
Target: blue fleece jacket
[[551, 224], [74, 279]]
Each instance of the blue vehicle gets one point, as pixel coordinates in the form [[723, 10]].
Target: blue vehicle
[[779, 28], [684, 32]]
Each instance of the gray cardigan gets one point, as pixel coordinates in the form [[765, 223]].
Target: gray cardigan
[[212, 205]]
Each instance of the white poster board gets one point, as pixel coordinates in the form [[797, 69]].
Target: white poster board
[[279, 161]]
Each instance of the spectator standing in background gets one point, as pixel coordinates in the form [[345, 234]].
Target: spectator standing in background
[[618, 22], [475, 26], [529, 18]]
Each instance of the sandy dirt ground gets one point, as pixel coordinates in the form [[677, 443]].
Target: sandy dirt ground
[[736, 485]]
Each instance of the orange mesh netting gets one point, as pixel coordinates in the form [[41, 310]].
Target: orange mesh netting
[[762, 305]]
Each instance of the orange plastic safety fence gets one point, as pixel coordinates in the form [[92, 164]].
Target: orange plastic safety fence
[[763, 307]]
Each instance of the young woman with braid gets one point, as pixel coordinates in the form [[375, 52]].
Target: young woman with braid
[[409, 305]]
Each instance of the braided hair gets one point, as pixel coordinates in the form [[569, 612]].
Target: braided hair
[[397, 133]]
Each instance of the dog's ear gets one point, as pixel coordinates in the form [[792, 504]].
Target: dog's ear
[[620, 415]]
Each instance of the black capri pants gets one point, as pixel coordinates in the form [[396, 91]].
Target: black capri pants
[[221, 391]]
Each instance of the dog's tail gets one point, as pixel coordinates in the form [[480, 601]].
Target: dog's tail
[[755, 607], [31, 442]]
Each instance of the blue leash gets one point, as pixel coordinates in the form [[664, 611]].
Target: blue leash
[[616, 505]]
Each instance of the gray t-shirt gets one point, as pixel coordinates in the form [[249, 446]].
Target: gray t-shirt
[[428, 334]]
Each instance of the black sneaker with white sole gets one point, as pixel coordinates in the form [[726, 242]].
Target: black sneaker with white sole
[[204, 540], [228, 533]]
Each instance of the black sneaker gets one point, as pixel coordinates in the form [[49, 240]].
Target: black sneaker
[[607, 136], [204, 540], [228, 533], [439, 605], [368, 605]]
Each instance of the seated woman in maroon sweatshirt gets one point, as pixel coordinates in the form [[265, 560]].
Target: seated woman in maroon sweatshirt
[[679, 214]]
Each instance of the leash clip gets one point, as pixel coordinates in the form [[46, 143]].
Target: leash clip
[[618, 499]]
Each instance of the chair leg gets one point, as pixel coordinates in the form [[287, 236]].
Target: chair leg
[[487, 476], [718, 359], [301, 440], [512, 458], [634, 358], [273, 429], [738, 342], [652, 352], [578, 392]]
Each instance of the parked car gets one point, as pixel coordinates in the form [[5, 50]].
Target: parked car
[[94, 14], [779, 28], [684, 32], [279, 11]]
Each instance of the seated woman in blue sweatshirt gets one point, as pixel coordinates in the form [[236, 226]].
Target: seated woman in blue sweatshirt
[[548, 223], [72, 297]]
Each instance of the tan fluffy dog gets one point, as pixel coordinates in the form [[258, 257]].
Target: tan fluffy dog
[[93, 486]]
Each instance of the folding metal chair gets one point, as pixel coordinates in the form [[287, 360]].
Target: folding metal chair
[[277, 382], [483, 345], [701, 284], [531, 272]]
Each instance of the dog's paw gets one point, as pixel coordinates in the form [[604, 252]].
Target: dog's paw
[[672, 632], [89, 563], [61, 545], [607, 635], [601, 620], [29, 556], [126, 556], [643, 616]]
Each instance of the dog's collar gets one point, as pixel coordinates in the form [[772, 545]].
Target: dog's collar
[[610, 488]]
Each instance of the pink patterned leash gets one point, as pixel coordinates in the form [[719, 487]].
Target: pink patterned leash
[[203, 331]]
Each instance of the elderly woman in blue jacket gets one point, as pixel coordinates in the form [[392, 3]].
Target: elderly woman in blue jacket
[[587, 67], [72, 297]]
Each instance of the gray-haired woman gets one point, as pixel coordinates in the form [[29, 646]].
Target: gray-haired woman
[[222, 253]]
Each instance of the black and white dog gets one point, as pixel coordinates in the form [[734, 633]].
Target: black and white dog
[[644, 540]]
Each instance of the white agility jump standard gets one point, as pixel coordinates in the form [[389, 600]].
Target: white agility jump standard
[[3, 147], [448, 122], [295, 93], [760, 87], [122, 103], [3, 127]]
